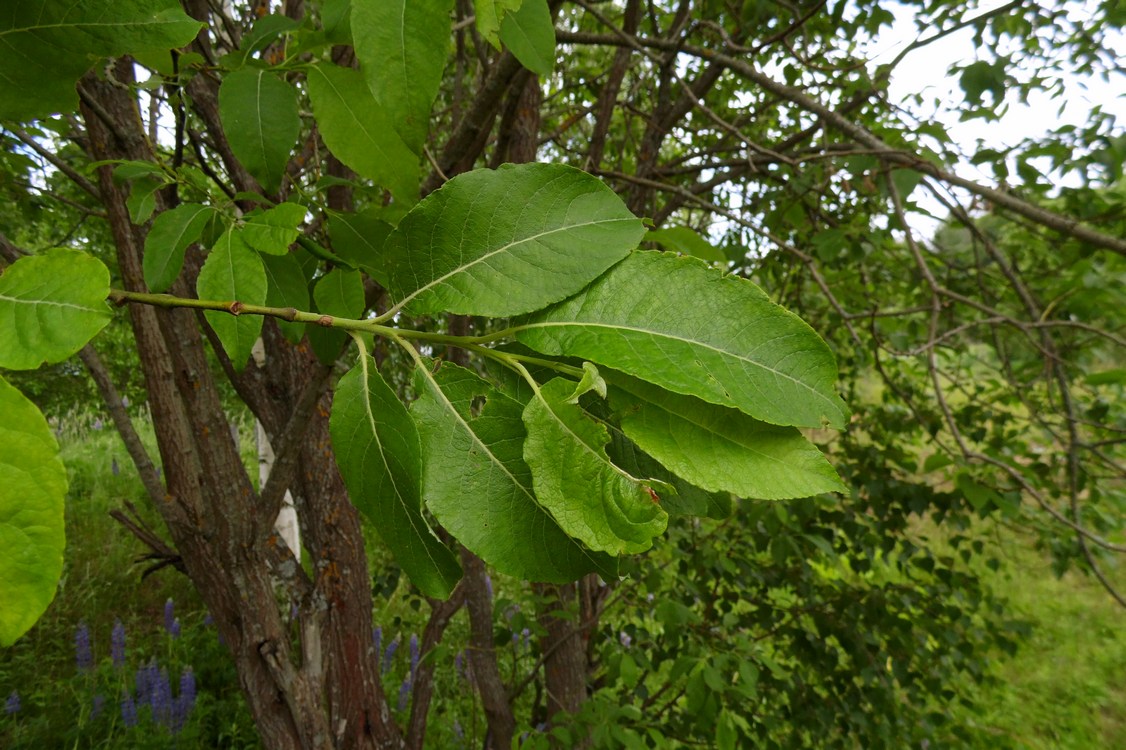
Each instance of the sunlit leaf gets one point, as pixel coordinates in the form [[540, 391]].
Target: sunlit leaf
[[50, 306], [507, 241], [718, 337], [476, 483], [590, 498], [33, 485]]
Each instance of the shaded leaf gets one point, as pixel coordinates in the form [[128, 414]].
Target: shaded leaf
[[259, 114], [507, 241], [716, 337], [476, 483], [687, 241], [33, 486], [339, 293], [379, 454], [50, 306], [359, 237], [591, 499], [286, 286], [233, 272], [168, 238]]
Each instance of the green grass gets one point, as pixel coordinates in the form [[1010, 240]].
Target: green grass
[[1065, 689]]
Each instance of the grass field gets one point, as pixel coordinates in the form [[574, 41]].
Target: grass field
[[1066, 688]]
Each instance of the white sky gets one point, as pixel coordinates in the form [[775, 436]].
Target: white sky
[[926, 70]]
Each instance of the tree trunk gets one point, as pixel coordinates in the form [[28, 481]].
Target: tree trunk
[[326, 693]]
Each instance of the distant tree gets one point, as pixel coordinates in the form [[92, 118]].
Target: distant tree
[[426, 213]]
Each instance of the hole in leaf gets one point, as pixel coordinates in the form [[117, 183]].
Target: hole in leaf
[[477, 405]]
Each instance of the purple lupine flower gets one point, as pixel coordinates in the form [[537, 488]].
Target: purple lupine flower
[[389, 655], [414, 653], [624, 637], [147, 677], [117, 644], [377, 638], [174, 631], [98, 423], [459, 667], [99, 704], [458, 731], [405, 693], [12, 705], [161, 699], [83, 654], [114, 468], [125, 401], [208, 620], [527, 637], [128, 710], [169, 615], [515, 640], [489, 585], [185, 701]]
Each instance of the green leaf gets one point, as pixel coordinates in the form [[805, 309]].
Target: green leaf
[[339, 293], [359, 132], [718, 448], [508, 241], [402, 46], [591, 499], [286, 286], [489, 14], [142, 197], [530, 35], [47, 45], [233, 272], [272, 231], [33, 487], [687, 241], [265, 31], [168, 238], [259, 115], [685, 499], [50, 306], [696, 331], [476, 483], [379, 454], [359, 237]]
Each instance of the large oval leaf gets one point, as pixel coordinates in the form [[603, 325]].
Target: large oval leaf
[[32, 490], [402, 46], [718, 448], [233, 273], [50, 306], [590, 498], [46, 46], [697, 331], [358, 131], [529, 34], [508, 241], [260, 120], [378, 451], [476, 483]]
